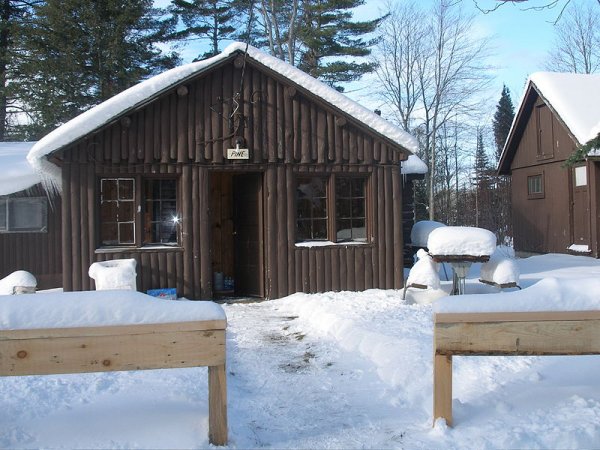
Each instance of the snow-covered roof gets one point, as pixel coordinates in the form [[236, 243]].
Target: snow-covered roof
[[112, 108], [413, 165], [17, 174], [575, 98]]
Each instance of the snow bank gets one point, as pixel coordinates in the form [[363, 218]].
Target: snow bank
[[421, 230], [16, 279], [548, 294], [114, 274], [97, 308], [17, 173], [424, 272], [461, 241], [105, 112]]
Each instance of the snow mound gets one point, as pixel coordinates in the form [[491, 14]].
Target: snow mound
[[421, 230], [99, 308], [114, 274], [425, 271], [16, 279], [461, 241], [548, 294], [500, 269]]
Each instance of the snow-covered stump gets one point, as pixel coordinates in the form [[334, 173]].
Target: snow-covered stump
[[506, 334], [19, 282], [82, 332], [114, 274]]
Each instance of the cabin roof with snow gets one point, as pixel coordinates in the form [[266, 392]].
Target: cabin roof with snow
[[572, 97], [17, 173], [142, 93]]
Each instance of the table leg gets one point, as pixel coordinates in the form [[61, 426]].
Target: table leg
[[217, 405], [442, 388]]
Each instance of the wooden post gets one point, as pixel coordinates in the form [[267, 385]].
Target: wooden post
[[442, 388], [217, 405]]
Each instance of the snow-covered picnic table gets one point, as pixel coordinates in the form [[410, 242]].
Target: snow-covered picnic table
[[460, 247], [102, 331], [552, 317]]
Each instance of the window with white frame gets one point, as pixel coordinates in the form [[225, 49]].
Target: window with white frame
[[120, 201]]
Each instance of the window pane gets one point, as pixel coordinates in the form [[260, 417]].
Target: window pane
[[126, 233], [580, 176], [109, 189], [108, 211], [534, 185], [161, 212], [109, 234], [311, 208], [3, 224], [126, 189], [27, 214], [351, 209], [126, 212]]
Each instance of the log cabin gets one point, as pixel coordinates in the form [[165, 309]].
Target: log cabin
[[237, 175], [555, 207], [30, 231]]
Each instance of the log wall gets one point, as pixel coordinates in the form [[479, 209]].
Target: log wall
[[38, 253], [186, 132]]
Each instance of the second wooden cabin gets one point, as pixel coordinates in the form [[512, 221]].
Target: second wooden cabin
[[235, 175]]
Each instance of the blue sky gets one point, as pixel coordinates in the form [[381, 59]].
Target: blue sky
[[521, 40]]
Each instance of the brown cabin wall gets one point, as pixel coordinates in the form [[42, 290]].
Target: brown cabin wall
[[38, 253], [288, 132], [542, 224]]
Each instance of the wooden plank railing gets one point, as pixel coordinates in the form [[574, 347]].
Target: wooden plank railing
[[125, 347], [506, 333]]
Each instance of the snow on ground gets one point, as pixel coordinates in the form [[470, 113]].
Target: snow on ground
[[333, 370]]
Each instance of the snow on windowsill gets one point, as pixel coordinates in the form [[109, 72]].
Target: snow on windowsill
[[145, 248], [328, 243], [579, 248]]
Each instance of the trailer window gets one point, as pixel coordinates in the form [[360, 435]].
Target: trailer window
[[23, 215]]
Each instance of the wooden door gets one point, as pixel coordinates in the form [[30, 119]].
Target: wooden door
[[580, 206], [248, 235]]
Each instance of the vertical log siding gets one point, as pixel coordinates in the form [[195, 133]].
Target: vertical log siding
[[186, 133]]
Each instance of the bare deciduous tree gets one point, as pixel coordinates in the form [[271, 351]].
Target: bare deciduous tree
[[577, 42], [436, 71]]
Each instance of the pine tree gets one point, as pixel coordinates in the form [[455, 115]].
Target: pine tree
[[83, 52], [503, 118], [207, 20], [483, 186], [15, 15], [329, 37]]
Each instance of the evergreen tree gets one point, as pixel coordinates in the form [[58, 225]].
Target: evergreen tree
[[501, 200], [503, 118], [211, 20], [82, 52], [484, 215], [328, 37], [15, 16]]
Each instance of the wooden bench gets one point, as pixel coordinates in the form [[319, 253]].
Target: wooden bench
[[125, 347], [506, 334]]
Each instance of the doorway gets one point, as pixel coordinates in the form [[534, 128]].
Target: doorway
[[236, 211], [580, 207]]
